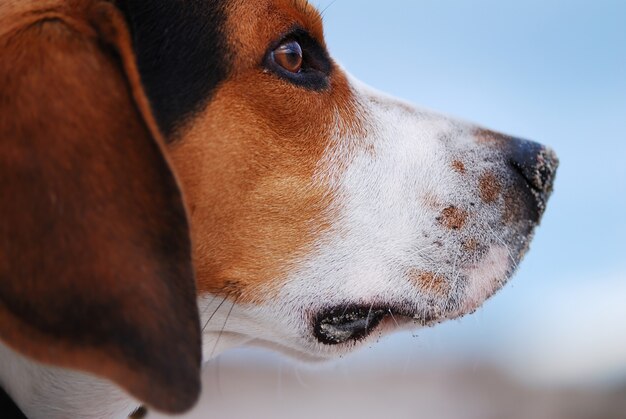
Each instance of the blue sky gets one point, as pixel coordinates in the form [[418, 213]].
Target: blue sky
[[551, 71]]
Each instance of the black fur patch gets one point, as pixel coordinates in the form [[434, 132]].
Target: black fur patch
[[181, 53]]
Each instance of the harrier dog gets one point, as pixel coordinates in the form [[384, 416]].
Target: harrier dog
[[182, 176]]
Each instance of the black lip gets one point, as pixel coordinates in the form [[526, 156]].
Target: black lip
[[338, 326], [342, 324]]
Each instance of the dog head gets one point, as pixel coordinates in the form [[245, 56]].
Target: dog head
[[320, 210]]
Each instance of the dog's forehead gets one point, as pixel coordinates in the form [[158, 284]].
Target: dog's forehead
[[186, 50]]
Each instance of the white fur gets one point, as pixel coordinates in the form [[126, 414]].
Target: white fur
[[486, 277]]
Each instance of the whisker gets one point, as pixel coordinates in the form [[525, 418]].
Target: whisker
[[214, 312], [206, 307], [323, 11], [367, 319], [345, 308], [296, 371], [456, 273], [223, 327], [393, 317]]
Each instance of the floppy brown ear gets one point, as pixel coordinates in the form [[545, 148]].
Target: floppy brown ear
[[95, 255]]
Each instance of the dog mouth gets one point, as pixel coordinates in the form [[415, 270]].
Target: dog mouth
[[354, 323]]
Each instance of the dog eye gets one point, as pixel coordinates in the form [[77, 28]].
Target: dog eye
[[289, 56], [300, 60]]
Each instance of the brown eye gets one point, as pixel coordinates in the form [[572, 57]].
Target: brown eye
[[299, 59], [289, 56]]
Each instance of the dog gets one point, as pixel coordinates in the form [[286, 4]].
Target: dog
[[183, 176]]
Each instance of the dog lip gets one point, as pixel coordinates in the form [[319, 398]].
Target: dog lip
[[338, 325], [342, 324]]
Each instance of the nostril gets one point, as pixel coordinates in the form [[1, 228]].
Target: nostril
[[536, 163]]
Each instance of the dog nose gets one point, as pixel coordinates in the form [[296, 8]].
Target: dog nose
[[536, 163]]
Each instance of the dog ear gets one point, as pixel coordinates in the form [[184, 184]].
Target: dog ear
[[95, 254]]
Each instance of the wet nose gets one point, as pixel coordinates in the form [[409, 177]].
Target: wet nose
[[536, 163]]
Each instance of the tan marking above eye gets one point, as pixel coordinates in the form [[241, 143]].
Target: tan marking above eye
[[289, 56]]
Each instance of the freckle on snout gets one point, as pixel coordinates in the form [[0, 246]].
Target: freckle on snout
[[452, 218], [429, 282], [470, 245], [458, 166], [489, 188]]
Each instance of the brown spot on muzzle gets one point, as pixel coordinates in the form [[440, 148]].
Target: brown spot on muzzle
[[459, 166], [489, 188], [484, 136], [452, 218], [470, 245], [429, 282]]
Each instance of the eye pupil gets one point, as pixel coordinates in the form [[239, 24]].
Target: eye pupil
[[289, 56]]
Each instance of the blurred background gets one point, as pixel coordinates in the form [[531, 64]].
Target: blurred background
[[552, 344]]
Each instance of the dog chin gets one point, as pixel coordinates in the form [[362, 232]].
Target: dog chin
[[486, 278], [302, 354], [311, 351]]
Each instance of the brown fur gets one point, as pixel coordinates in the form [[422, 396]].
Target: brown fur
[[453, 218], [94, 239], [489, 188], [429, 282], [459, 166], [257, 145]]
